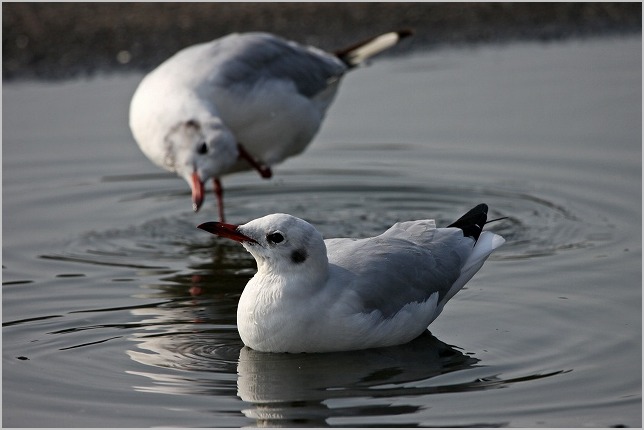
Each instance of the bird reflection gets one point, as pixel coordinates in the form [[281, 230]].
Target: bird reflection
[[295, 389], [286, 389]]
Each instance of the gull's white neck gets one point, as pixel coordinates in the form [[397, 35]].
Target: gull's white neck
[[273, 306]]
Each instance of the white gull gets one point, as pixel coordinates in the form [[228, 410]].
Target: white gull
[[316, 295], [244, 101]]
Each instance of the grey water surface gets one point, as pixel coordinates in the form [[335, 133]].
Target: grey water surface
[[118, 312]]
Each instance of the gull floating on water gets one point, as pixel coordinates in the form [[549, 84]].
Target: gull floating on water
[[244, 101], [316, 295]]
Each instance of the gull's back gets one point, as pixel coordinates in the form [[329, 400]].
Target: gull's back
[[407, 273]]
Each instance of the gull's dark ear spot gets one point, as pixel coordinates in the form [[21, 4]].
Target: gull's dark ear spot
[[298, 256]]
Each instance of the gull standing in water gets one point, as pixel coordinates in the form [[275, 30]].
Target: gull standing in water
[[244, 101], [316, 295]]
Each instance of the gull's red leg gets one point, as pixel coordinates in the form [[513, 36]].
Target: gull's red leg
[[264, 170], [219, 193]]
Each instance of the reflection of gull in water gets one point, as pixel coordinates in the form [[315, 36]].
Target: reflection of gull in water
[[293, 388], [207, 363], [268, 377], [288, 388]]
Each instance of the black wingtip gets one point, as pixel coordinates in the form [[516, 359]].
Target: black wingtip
[[405, 33], [472, 222]]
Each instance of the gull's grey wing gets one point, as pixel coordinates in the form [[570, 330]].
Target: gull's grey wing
[[387, 272], [261, 56]]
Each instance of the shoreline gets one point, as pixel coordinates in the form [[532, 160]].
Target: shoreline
[[53, 41]]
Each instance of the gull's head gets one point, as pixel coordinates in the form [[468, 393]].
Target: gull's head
[[198, 151], [280, 243]]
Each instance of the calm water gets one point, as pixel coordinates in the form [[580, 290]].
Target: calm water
[[118, 312]]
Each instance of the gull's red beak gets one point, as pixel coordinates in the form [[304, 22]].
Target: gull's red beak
[[229, 231], [197, 191]]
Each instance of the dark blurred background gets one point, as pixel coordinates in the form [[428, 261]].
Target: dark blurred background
[[64, 40]]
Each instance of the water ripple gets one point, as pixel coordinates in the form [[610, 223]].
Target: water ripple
[[535, 226]]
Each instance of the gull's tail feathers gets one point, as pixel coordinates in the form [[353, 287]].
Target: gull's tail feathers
[[486, 242]]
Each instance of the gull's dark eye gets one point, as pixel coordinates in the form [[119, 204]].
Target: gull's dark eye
[[202, 149], [275, 237]]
